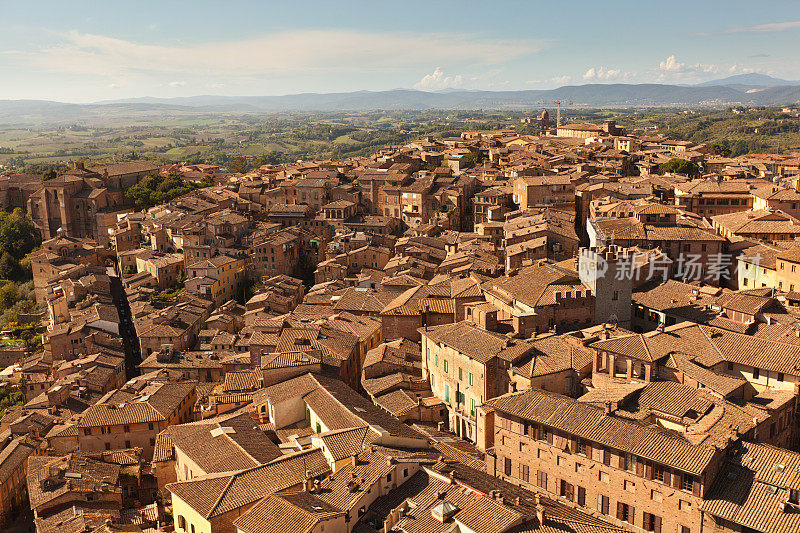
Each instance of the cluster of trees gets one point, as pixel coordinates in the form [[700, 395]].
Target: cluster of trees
[[153, 190], [15, 298], [18, 238], [680, 166], [10, 397]]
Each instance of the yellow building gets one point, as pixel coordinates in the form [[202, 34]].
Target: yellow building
[[219, 278]]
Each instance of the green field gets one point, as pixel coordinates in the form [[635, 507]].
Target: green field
[[291, 136]]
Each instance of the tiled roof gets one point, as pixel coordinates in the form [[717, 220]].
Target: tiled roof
[[158, 402], [476, 343], [297, 512], [752, 488], [87, 475], [591, 423], [398, 402], [345, 443], [218, 445], [217, 494], [242, 381]]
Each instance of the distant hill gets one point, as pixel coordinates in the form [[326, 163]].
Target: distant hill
[[753, 79], [728, 91], [619, 94]]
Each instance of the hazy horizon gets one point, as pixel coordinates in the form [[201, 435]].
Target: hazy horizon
[[84, 52]]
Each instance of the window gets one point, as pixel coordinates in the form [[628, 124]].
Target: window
[[541, 479], [472, 406], [566, 490], [507, 466], [405, 472], [603, 504], [687, 482], [624, 512], [581, 496], [447, 393], [389, 477], [756, 373], [436, 359], [630, 462], [658, 473], [433, 381], [582, 448], [181, 522], [429, 355], [656, 496], [604, 477], [684, 506], [630, 486], [470, 378], [445, 366], [460, 374], [780, 376], [652, 522], [126, 429]]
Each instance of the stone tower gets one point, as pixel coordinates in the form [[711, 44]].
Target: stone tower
[[607, 271]]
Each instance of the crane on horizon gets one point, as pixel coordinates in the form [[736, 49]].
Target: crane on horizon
[[558, 108]]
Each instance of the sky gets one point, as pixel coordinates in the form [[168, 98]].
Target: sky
[[81, 51]]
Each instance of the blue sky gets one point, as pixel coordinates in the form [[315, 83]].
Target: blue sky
[[87, 51]]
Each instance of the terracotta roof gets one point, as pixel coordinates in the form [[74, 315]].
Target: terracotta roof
[[298, 512], [217, 494], [752, 488], [476, 343], [218, 445], [591, 423], [158, 402], [344, 443]]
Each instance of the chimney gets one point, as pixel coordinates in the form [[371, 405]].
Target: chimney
[[539, 512], [354, 461], [608, 408]]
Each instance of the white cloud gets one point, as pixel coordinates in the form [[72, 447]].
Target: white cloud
[[603, 73], [437, 80], [560, 79], [177, 84], [739, 69], [771, 27], [312, 51], [671, 65], [113, 86]]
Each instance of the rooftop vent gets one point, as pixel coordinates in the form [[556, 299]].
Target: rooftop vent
[[444, 511]]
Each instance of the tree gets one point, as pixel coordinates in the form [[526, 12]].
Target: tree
[[720, 149], [8, 295], [9, 267], [18, 235], [238, 165], [679, 166], [152, 190]]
